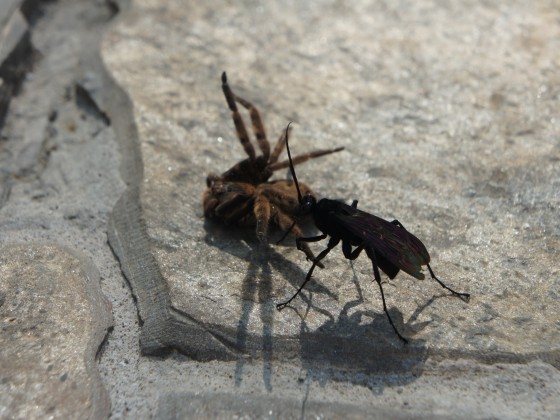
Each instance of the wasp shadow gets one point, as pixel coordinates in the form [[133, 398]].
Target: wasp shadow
[[360, 347]]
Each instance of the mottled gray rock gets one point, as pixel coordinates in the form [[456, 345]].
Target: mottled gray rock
[[449, 124], [59, 179], [448, 113], [13, 27], [53, 320]]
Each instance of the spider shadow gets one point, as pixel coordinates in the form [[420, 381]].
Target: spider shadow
[[256, 289]]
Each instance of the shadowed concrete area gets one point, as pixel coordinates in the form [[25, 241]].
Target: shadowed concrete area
[[448, 116]]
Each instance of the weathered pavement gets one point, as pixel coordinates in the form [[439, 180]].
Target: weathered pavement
[[111, 115]]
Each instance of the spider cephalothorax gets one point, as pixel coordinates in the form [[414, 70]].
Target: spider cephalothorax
[[243, 195]]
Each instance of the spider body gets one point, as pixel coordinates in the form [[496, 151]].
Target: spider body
[[243, 195]]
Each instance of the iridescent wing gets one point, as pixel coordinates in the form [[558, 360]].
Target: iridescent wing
[[393, 242]]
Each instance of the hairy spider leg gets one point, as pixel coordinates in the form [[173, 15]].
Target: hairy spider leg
[[258, 127], [302, 158], [261, 208], [236, 200], [237, 120], [279, 147]]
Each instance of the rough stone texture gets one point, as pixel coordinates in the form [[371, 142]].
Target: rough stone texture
[[449, 123], [462, 389], [58, 181], [53, 320], [449, 116]]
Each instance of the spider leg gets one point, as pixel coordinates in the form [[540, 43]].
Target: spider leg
[[209, 203], [262, 214], [229, 201], [242, 188], [258, 127], [231, 210], [211, 179], [279, 147], [302, 158], [237, 120]]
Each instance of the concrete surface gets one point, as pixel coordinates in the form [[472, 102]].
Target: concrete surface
[[448, 113]]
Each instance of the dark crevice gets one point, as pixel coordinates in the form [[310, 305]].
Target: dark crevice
[[87, 104], [113, 7], [34, 10], [20, 60], [12, 72], [126, 279]]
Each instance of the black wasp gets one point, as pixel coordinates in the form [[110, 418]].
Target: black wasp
[[388, 245]]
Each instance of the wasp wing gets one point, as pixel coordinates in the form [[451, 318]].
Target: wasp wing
[[392, 242]]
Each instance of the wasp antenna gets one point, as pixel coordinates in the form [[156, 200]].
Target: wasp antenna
[[292, 170]]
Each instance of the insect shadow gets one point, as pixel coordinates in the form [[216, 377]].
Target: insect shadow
[[347, 348], [257, 291], [388, 245]]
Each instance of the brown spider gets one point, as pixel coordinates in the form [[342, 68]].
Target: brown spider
[[243, 195]]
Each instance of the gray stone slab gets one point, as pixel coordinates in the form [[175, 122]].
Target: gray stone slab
[[449, 126], [53, 320], [392, 85], [458, 389], [59, 179], [180, 406]]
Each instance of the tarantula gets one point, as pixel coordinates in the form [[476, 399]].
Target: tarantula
[[243, 195]]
